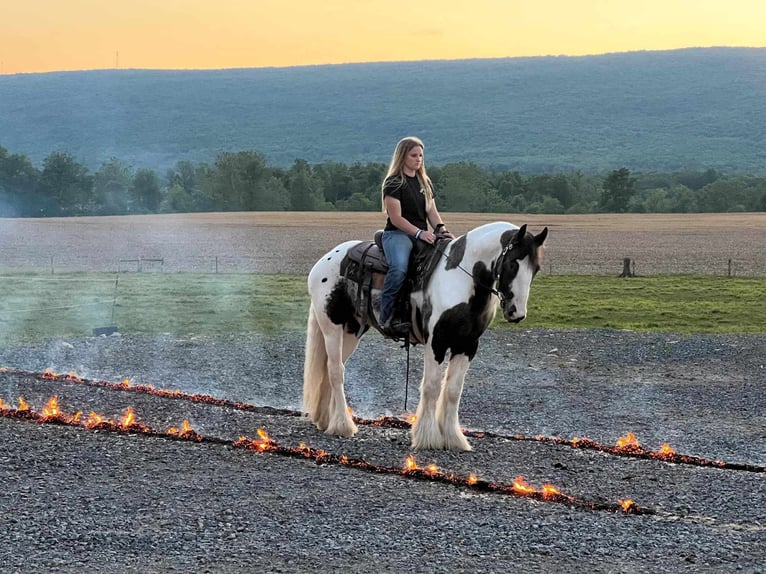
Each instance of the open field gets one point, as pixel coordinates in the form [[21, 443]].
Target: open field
[[36, 306], [288, 242], [82, 500]]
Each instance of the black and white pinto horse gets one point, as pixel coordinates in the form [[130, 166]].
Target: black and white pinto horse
[[494, 262]]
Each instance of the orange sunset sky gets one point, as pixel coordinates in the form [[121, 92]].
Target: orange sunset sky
[[49, 35]]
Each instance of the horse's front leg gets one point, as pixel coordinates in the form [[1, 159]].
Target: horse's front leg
[[339, 347], [449, 404], [426, 433]]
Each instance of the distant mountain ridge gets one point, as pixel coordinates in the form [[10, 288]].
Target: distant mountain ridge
[[665, 111]]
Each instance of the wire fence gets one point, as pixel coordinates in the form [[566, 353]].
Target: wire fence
[[301, 263]]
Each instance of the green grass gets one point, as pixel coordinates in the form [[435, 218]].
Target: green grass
[[671, 303], [38, 306]]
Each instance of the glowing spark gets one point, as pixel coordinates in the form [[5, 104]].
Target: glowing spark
[[432, 469], [472, 479]]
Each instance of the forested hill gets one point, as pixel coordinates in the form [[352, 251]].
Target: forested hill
[[667, 111]]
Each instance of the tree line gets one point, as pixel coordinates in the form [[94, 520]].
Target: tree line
[[244, 181]]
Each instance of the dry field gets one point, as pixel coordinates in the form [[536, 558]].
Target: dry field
[[279, 242]]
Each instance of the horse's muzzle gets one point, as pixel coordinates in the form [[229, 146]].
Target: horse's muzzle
[[511, 316]]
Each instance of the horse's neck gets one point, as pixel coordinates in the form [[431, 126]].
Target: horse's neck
[[483, 243]]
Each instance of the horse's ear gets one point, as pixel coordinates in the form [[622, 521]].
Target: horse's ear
[[520, 234], [540, 237]]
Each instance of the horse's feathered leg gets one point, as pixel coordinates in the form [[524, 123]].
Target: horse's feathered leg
[[340, 422], [426, 433], [449, 404], [316, 382]]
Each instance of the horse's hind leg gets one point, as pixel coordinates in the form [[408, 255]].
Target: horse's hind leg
[[426, 433], [339, 346], [449, 404]]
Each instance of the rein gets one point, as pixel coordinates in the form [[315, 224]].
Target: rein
[[495, 271]]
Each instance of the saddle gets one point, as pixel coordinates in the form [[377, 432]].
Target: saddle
[[365, 264]]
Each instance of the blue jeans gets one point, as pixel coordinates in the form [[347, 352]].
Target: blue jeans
[[397, 246]]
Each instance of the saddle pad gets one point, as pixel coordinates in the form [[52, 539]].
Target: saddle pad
[[369, 256]]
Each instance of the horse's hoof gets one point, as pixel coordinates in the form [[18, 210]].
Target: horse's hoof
[[342, 430]]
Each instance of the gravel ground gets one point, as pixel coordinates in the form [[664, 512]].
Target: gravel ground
[[79, 499]]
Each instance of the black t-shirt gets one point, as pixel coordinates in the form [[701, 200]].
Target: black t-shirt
[[412, 198]]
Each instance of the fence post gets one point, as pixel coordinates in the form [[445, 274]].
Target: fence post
[[626, 271], [51, 264], [216, 264], [729, 267]]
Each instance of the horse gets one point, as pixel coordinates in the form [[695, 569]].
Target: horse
[[493, 263]]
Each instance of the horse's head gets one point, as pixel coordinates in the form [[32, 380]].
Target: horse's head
[[518, 263]]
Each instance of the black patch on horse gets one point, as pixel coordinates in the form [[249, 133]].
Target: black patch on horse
[[340, 308], [459, 328], [457, 252]]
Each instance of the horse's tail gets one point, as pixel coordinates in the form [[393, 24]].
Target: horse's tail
[[316, 379]]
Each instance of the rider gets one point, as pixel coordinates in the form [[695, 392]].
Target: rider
[[408, 200]]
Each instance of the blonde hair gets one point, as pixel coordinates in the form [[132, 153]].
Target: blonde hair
[[396, 169]]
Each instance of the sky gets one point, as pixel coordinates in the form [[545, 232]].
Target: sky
[[54, 35]]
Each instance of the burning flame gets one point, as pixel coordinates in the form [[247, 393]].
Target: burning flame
[[409, 463], [550, 491], [472, 479], [125, 383], [627, 505], [186, 428], [52, 408], [522, 487], [264, 442], [23, 406], [49, 374], [411, 418], [628, 441], [667, 449], [94, 419], [129, 417], [4, 405], [432, 469]]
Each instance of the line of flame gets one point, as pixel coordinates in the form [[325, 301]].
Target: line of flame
[[628, 448]]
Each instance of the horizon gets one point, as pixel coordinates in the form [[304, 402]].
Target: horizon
[[383, 62], [44, 36]]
